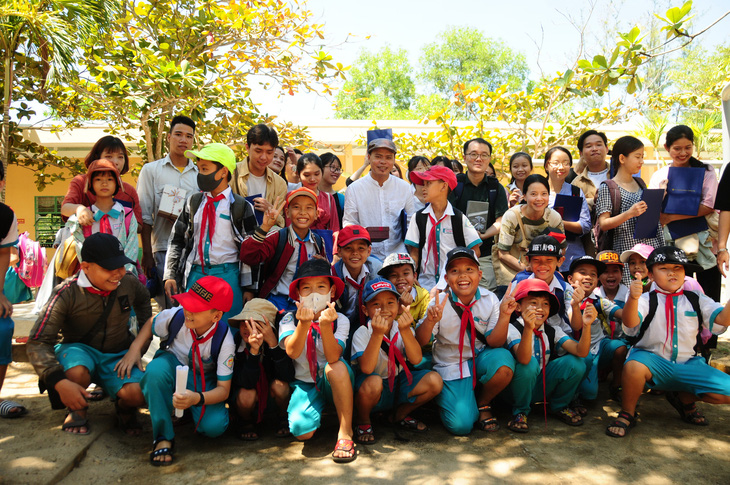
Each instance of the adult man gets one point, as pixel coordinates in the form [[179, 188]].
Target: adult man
[[380, 202], [592, 168], [90, 312], [253, 176], [476, 185], [166, 175]]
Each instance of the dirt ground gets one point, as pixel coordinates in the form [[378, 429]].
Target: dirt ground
[[660, 450]]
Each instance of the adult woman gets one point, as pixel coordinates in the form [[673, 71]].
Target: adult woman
[[627, 158], [520, 166], [309, 171], [698, 246], [520, 225], [330, 176], [557, 166], [278, 162], [418, 164], [78, 200]]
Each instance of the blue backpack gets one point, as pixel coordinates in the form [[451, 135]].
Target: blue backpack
[[177, 323]]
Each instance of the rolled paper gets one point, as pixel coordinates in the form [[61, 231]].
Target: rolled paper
[[181, 383]]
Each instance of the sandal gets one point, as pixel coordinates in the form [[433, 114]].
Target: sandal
[[578, 406], [77, 421], [247, 432], [97, 393], [620, 424], [346, 446], [283, 430], [167, 451], [518, 423], [688, 412], [488, 424], [412, 424], [127, 420], [6, 409], [568, 416], [615, 393], [363, 430]]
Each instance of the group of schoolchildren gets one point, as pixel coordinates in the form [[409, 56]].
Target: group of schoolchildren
[[373, 336]]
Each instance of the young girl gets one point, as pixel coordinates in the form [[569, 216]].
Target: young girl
[[520, 225], [520, 166], [627, 158], [679, 144], [557, 166], [108, 215], [309, 171], [330, 176], [78, 199]]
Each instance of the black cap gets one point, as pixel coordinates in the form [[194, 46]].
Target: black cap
[[460, 252], [544, 246], [671, 255], [600, 265], [312, 268], [104, 250]]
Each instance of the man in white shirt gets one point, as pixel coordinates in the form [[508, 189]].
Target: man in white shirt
[[174, 171], [253, 175], [592, 168], [380, 202]]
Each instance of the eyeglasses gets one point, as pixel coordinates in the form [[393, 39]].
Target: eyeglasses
[[559, 164], [334, 170], [477, 156]]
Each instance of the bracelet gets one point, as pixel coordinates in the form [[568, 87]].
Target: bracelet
[[202, 399], [722, 250]]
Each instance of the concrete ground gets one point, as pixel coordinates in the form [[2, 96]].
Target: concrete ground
[[660, 450]]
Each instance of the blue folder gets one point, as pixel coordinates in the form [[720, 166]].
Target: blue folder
[[259, 215], [646, 223], [568, 206], [685, 227], [684, 190]]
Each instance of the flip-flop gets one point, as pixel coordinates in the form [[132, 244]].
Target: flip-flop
[[7, 405], [363, 430], [568, 415], [97, 393], [411, 424], [344, 445], [77, 421]]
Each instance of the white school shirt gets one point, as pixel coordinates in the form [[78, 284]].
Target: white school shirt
[[301, 365], [182, 346], [555, 320], [680, 347], [514, 336], [351, 290], [430, 269], [361, 339], [282, 288], [621, 295], [223, 247], [598, 332], [369, 204], [446, 334]]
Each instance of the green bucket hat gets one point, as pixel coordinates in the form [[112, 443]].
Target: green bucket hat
[[215, 152]]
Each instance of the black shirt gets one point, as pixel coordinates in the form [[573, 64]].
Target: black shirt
[[722, 199]]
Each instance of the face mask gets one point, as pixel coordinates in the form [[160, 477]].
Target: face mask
[[208, 183], [315, 301]]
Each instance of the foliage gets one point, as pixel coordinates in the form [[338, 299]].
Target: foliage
[[652, 128]]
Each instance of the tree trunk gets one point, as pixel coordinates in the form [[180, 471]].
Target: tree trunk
[[8, 82]]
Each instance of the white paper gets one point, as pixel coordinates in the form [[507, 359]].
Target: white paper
[[181, 383]]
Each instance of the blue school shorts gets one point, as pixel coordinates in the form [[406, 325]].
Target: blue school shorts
[[401, 389], [7, 326], [694, 376], [99, 364], [307, 403]]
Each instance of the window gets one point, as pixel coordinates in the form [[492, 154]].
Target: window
[[47, 219]]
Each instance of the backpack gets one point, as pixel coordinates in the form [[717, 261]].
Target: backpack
[[32, 261], [457, 225], [549, 331], [176, 323], [694, 300], [604, 239]]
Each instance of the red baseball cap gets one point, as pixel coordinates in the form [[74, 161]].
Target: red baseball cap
[[352, 233], [208, 293], [301, 191], [538, 287], [436, 172]]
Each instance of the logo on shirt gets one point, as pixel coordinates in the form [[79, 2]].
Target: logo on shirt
[[229, 361], [201, 292]]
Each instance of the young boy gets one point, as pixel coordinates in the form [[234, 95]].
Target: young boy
[[356, 267], [314, 338], [611, 287], [438, 228], [663, 326], [284, 251], [468, 331], [636, 258], [605, 351], [8, 238], [262, 370], [209, 232], [543, 260], [110, 216], [381, 348], [196, 336], [543, 371], [400, 269]]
